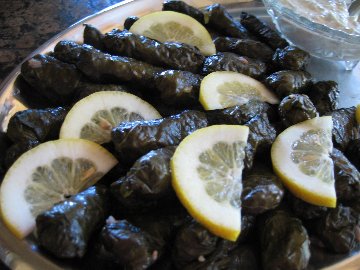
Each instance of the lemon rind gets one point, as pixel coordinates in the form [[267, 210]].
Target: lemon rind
[[328, 196], [220, 224]]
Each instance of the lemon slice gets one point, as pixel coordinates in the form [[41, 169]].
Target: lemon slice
[[47, 174], [223, 89], [207, 177], [301, 158], [93, 117], [173, 26], [358, 113]]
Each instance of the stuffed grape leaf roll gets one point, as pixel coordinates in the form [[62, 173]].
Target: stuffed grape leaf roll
[[261, 136], [238, 115], [129, 21], [324, 95], [170, 55], [232, 62], [147, 183], [121, 245], [338, 229], [296, 108], [345, 127], [246, 47], [36, 124], [291, 58], [221, 20], [178, 88], [284, 242], [134, 139], [105, 68], [347, 177], [287, 82], [93, 37], [52, 79], [353, 153], [182, 7], [192, 243], [262, 31], [262, 191], [66, 228]]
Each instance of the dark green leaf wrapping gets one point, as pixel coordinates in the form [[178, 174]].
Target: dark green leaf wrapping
[[125, 246], [261, 136], [192, 241], [66, 228], [325, 96], [93, 37], [218, 18], [243, 257], [52, 79], [36, 124], [170, 55], [347, 177], [87, 89], [262, 191], [246, 47], [233, 62], [182, 7], [178, 88], [129, 21], [338, 229], [135, 139], [296, 108], [237, 115], [305, 210], [353, 153], [355, 206], [147, 183], [161, 225], [287, 82], [291, 58], [5, 143], [105, 68], [68, 51], [262, 31], [17, 149], [345, 127], [284, 242], [247, 228]]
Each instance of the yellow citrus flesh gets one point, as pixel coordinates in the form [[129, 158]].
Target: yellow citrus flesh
[[47, 174], [173, 26], [358, 113], [207, 177], [223, 89], [301, 158], [93, 117]]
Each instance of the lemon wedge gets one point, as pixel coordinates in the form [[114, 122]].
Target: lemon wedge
[[93, 117], [223, 89], [47, 174], [207, 177], [301, 158], [173, 26]]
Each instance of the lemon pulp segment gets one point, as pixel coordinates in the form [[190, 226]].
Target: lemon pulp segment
[[207, 177], [93, 117], [223, 89], [301, 158]]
